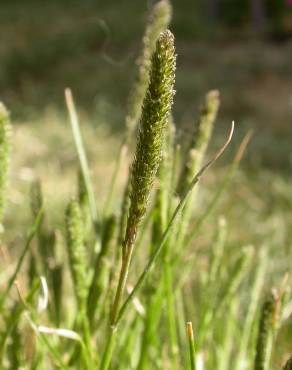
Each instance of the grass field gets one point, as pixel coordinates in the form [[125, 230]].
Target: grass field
[[88, 47]]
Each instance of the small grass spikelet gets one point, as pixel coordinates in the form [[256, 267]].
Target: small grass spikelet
[[200, 139], [158, 21], [5, 147], [76, 251], [267, 325]]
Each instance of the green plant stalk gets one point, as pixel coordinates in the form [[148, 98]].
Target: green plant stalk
[[192, 350], [99, 281], [258, 283], [217, 252], [154, 292], [211, 285], [129, 350], [32, 233], [15, 355], [170, 302], [45, 239], [82, 157], [132, 329], [237, 273], [235, 278], [57, 282], [153, 315], [229, 335]]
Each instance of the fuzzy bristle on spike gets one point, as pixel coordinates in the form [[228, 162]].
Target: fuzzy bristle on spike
[[155, 112]]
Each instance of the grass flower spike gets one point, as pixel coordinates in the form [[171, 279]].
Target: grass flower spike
[[155, 112], [76, 251], [265, 332], [158, 21], [201, 138]]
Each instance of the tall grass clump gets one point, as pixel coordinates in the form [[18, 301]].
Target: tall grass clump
[[152, 279]]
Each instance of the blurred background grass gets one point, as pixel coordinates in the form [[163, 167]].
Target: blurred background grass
[[92, 46]]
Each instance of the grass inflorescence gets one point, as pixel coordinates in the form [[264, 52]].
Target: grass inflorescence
[[126, 286]]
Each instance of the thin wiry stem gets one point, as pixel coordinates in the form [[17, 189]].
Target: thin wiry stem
[[165, 235], [220, 190]]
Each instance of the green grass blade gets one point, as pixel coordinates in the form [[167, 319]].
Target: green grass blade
[[75, 126], [32, 233]]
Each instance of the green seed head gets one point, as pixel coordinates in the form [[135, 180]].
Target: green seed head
[[200, 140], [155, 111], [5, 133], [266, 327], [158, 21], [76, 250]]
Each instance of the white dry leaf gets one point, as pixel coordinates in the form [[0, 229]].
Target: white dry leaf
[[66, 333], [136, 302], [287, 311], [44, 296], [200, 361]]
